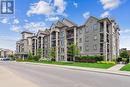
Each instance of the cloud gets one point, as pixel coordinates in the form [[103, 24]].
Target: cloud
[[35, 26], [110, 4], [51, 9], [4, 20], [16, 21], [75, 4], [16, 28], [105, 14], [125, 31], [41, 7], [52, 18], [86, 15], [61, 5]]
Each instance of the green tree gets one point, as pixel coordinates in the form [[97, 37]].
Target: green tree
[[52, 53], [12, 57], [73, 50], [40, 52], [30, 56], [124, 54]]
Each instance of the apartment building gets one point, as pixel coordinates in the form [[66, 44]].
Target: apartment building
[[5, 53], [24, 46], [95, 37], [99, 37]]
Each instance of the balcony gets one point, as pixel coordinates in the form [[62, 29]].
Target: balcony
[[70, 36]]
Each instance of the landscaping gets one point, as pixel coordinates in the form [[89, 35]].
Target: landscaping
[[78, 64], [126, 67], [80, 61], [91, 65], [89, 59]]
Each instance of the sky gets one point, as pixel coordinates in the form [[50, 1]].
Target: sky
[[34, 15]]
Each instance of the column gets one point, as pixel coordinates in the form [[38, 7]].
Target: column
[[105, 40], [35, 47], [50, 40], [65, 49], [56, 45], [75, 36], [42, 47]]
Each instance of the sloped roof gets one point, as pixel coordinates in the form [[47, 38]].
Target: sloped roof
[[68, 23], [26, 32]]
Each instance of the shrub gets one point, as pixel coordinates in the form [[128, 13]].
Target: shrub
[[106, 62], [89, 59], [45, 59]]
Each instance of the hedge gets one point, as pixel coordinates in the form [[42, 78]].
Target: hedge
[[89, 59]]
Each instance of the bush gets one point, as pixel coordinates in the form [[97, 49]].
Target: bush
[[45, 59], [106, 62], [89, 59]]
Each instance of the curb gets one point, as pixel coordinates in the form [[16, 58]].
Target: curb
[[105, 71], [121, 73]]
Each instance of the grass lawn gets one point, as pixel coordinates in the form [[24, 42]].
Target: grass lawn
[[126, 67], [91, 65]]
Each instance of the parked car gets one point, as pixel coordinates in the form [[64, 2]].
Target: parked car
[[5, 59]]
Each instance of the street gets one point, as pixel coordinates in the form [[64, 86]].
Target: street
[[52, 76]]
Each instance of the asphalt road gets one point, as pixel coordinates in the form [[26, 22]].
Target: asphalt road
[[49, 76]]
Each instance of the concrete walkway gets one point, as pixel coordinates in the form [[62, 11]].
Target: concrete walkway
[[9, 79], [116, 67]]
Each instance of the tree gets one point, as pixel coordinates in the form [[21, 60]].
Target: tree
[[12, 57], [30, 56], [124, 54], [73, 50], [40, 52], [35, 57], [52, 53]]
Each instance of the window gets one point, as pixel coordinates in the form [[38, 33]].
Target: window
[[95, 37], [80, 40], [95, 26], [80, 48], [62, 43], [101, 47], [23, 36], [86, 29], [87, 48], [95, 47], [80, 31], [87, 39]]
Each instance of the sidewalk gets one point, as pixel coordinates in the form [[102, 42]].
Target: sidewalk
[[116, 67], [107, 71], [9, 79]]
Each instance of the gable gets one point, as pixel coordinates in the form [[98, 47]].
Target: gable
[[91, 19], [68, 23]]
